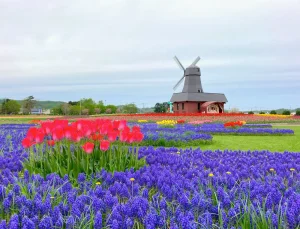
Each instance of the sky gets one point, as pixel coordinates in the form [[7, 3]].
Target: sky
[[121, 51]]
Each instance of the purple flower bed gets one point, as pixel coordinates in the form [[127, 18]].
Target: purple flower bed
[[257, 126], [177, 189], [214, 128]]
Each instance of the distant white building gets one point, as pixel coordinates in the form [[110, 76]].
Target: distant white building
[[38, 111]]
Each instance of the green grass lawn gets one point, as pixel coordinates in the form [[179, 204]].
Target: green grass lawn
[[271, 143]]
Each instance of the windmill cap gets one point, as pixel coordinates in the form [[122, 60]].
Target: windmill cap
[[193, 66]]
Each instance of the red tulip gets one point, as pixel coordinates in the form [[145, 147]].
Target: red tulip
[[47, 127], [88, 147], [76, 137], [86, 131], [138, 137], [112, 136], [39, 137], [122, 124], [51, 142], [104, 145], [31, 134], [130, 137], [123, 136], [57, 134], [136, 129], [26, 143], [68, 131]]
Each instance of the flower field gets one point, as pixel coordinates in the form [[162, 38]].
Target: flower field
[[192, 117], [117, 174]]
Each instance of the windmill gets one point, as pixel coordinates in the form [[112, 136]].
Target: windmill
[[191, 77], [192, 99]]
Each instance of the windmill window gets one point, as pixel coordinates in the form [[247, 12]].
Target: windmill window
[[182, 106], [198, 90], [198, 106]]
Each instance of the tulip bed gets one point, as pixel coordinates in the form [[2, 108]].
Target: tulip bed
[[199, 117], [162, 188]]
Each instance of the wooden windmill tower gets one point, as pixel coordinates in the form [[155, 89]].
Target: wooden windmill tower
[[192, 99]]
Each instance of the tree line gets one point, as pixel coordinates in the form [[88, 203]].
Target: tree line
[[10, 106], [86, 106]]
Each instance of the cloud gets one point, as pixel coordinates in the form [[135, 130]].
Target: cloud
[[74, 46]]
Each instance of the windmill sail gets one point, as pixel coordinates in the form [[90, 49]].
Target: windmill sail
[[178, 83], [179, 64], [195, 61]]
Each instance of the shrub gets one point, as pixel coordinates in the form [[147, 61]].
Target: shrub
[[261, 112], [298, 112], [273, 112], [250, 112], [286, 112]]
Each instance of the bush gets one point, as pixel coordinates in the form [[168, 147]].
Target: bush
[[273, 112], [250, 112], [298, 112], [286, 112], [261, 112]]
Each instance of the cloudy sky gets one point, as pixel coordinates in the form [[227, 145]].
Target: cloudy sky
[[121, 51]]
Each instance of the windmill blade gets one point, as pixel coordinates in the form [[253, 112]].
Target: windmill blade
[[195, 61], [179, 64], [178, 83]]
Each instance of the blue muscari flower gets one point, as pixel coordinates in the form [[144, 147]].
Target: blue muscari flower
[[55, 214], [115, 224], [59, 222], [2, 192], [99, 192], [96, 204], [27, 223], [35, 220], [124, 191], [274, 220], [70, 223], [14, 222], [81, 178], [16, 189], [26, 176], [129, 223], [6, 205], [76, 210], [3, 224], [98, 220], [145, 193], [226, 202], [45, 223], [71, 197]]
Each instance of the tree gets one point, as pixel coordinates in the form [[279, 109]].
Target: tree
[[273, 112], [261, 112], [130, 108], [73, 103], [113, 108], [65, 108], [250, 112], [75, 110], [298, 112], [85, 111], [161, 107], [97, 110], [286, 112], [56, 110], [10, 107], [28, 104], [89, 104]]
